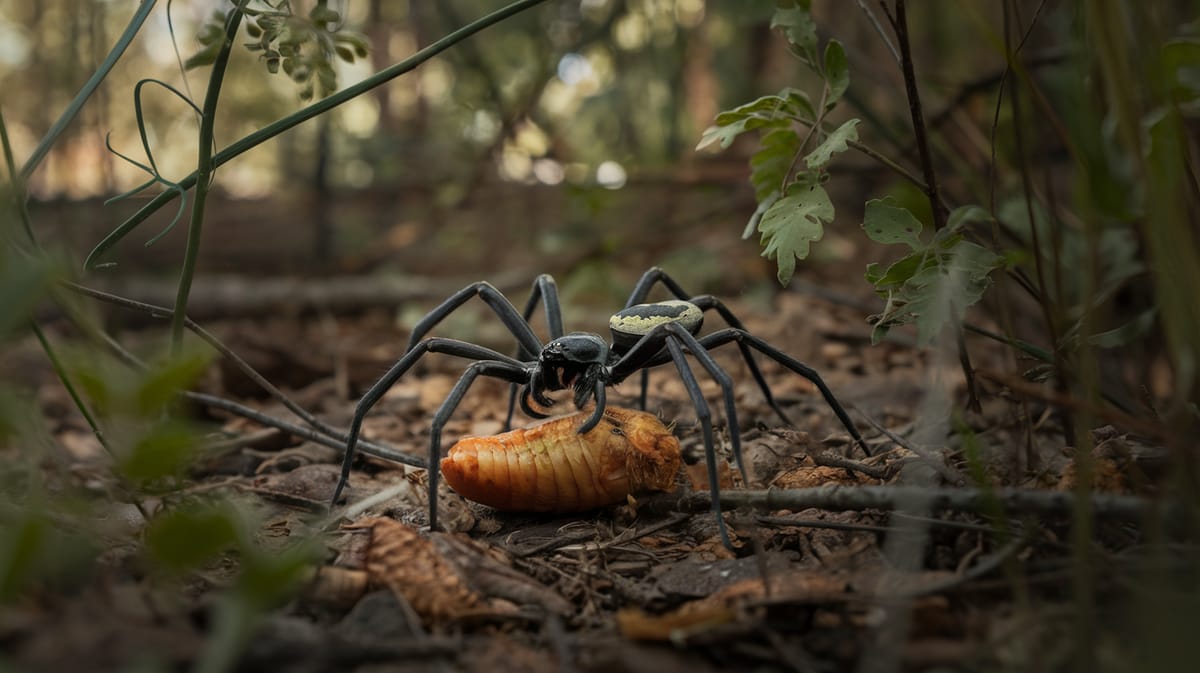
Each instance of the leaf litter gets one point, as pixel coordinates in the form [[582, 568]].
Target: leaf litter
[[627, 586]]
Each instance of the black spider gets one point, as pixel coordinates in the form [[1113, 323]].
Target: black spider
[[644, 336]]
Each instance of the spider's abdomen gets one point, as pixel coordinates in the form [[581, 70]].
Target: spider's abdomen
[[550, 467], [630, 324]]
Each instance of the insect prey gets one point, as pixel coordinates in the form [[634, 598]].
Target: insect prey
[[551, 467]]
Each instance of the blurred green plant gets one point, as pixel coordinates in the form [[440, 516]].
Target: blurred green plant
[[788, 171], [304, 47], [1132, 203], [53, 524], [1114, 120]]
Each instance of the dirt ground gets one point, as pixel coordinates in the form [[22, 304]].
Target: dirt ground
[[642, 586]]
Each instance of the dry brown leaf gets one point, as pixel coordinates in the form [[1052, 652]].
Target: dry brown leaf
[[449, 577], [728, 603], [412, 567], [811, 476], [336, 587]]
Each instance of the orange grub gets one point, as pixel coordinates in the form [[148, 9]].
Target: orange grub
[[550, 467]]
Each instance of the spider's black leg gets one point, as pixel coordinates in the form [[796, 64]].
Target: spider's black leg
[[722, 379], [520, 329], [707, 302], [705, 417], [546, 290], [724, 336], [377, 391], [646, 283], [704, 302], [640, 292], [647, 352], [501, 369]]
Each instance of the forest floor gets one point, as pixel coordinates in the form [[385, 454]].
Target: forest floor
[[646, 585]]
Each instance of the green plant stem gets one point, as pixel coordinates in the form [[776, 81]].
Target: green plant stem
[[17, 184], [270, 131], [204, 170], [77, 400], [61, 373], [68, 115]]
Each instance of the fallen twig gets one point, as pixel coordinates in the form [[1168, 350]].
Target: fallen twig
[[839, 497], [336, 442]]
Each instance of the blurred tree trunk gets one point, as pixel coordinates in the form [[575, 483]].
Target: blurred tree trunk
[[321, 193], [700, 85]]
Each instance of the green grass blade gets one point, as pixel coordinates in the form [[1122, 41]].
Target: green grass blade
[[68, 115], [295, 119]]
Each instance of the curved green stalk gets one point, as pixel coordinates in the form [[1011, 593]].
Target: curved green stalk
[[17, 183], [267, 132], [204, 170], [68, 115]]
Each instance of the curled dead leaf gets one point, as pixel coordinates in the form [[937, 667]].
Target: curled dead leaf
[[412, 567], [811, 476], [447, 577], [336, 587]]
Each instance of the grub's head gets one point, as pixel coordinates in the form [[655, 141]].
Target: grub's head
[[652, 455]]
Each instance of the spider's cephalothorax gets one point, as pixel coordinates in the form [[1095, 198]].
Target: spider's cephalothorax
[[575, 361], [645, 335]]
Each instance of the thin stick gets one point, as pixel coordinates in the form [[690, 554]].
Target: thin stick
[[242, 365], [332, 438], [857, 498], [900, 25]]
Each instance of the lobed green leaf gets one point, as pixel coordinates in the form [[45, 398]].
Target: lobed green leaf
[[800, 31], [834, 143], [792, 223], [886, 222], [769, 166]]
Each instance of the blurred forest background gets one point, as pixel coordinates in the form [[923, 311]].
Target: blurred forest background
[[562, 140]]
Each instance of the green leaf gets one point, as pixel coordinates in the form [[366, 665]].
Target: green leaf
[[835, 142], [186, 537], [1127, 333], [792, 223], [270, 576], [162, 452], [770, 164], [1181, 67], [204, 57], [764, 204], [933, 290], [166, 379], [899, 272], [837, 72], [722, 134], [800, 31], [23, 281], [766, 106], [888, 223], [357, 41], [798, 105], [964, 215]]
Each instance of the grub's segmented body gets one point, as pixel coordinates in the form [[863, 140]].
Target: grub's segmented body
[[550, 467]]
